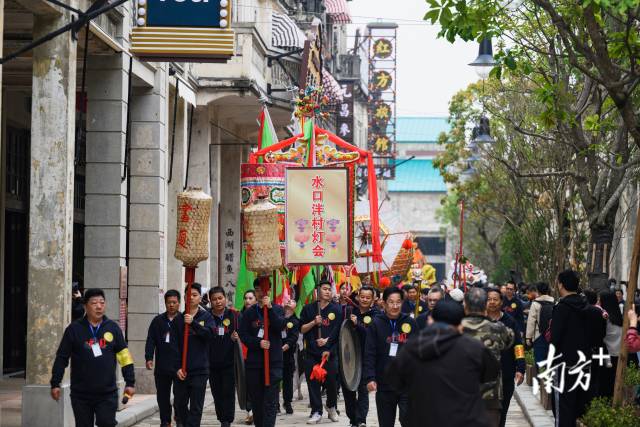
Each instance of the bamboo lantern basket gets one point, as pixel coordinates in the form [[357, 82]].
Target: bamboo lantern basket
[[261, 228], [401, 264], [193, 216]]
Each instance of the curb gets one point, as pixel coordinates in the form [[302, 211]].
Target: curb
[[136, 413], [533, 411]]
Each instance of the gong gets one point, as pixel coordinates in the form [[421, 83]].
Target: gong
[[350, 355], [241, 379]]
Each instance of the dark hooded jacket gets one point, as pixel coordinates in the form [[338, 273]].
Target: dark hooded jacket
[[575, 325], [441, 370]]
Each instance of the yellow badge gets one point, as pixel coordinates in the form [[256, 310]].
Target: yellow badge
[[108, 336], [406, 328], [201, 323], [289, 325], [514, 305], [226, 322], [419, 308], [367, 319], [331, 316]]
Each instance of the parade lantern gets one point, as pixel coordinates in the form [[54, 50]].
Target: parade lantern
[[261, 230], [192, 242]]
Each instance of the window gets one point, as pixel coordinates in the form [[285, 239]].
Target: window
[[18, 158], [441, 271], [432, 245]]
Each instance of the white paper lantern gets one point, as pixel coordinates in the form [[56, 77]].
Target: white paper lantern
[[141, 11], [223, 23], [140, 22], [224, 3], [223, 13]]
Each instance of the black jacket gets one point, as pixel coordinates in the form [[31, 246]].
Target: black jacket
[[290, 332], [514, 309], [221, 348], [364, 321], [378, 343], [421, 321], [251, 324], [441, 370], [330, 328], [168, 354], [575, 325], [91, 375], [200, 334], [409, 307], [510, 363]]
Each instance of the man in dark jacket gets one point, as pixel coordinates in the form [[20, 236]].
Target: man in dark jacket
[[94, 344], [289, 335], [574, 328], [385, 337], [263, 397], [163, 340], [511, 358], [192, 386], [495, 336], [320, 324], [221, 374], [442, 370], [357, 402], [409, 304], [512, 305]]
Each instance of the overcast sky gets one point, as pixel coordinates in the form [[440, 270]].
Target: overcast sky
[[430, 70]]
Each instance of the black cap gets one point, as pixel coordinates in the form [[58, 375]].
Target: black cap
[[448, 312]]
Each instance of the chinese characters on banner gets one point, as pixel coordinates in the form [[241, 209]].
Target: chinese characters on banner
[[344, 123], [382, 97], [317, 218]]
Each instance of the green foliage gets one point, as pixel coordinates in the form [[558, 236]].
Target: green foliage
[[632, 376], [601, 413], [528, 358]]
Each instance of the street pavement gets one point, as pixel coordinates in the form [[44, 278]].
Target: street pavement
[[301, 413]]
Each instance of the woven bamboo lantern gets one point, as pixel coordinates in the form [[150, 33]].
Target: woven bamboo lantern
[[192, 238], [401, 264], [261, 227]]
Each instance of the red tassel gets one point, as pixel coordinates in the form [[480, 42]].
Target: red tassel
[[318, 373]]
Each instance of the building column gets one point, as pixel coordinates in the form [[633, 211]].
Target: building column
[[214, 175], [50, 218], [175, 271], [2, 191], [230, 209], [147, 226], [106, 201], [199, 173]]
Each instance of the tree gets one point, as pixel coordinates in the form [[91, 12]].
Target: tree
[[554, 95]]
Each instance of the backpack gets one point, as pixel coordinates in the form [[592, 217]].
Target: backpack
[[544, 320]]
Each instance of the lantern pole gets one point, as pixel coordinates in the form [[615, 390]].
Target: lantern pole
[[189, 277]]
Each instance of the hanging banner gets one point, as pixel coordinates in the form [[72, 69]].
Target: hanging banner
[[191, 31], [317, 221], [382, 38], [344, 121]]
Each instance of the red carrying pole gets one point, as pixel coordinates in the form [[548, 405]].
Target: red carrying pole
[[189, 277]]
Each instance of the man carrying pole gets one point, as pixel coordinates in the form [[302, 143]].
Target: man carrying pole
[[320, 325], [191, 389], [262, 334]]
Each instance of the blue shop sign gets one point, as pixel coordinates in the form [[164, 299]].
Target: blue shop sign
[[183, 13]]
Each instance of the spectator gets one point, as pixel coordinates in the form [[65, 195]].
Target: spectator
[[573, 329], [495, 336], [538, 322], [632, 339], [442, 371], [77, 304], [435, 294], [600, 331], [609, 303]]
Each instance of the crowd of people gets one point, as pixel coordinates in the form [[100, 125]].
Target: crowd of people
[[433, 356]]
